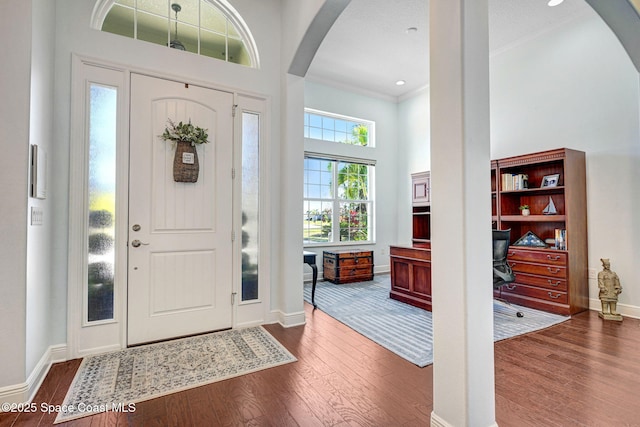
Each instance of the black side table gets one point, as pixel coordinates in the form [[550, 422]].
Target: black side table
[[310, 258]]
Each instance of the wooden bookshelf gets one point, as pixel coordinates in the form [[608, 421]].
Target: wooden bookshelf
[[551, 279]]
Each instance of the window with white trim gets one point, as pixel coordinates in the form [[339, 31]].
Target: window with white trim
[[338, 200], [205, 27], [335, 128]]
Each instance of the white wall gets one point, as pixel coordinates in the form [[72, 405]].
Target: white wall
[[24, 257], [384, 114], [576, 87], [15, 25], [414, 155], [40, 132], [297, 15]]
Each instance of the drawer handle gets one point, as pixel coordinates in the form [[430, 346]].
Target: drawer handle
[[356, 259], [511, 287], [555, 258], [554, 296], [512, 253], [353, 272], [557, 270], [554, 284], [513, 264]]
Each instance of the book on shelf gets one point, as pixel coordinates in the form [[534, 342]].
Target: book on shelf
[[514, 182], [561, 238]]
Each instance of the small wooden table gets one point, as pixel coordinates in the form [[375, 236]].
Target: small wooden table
[[310, 258]]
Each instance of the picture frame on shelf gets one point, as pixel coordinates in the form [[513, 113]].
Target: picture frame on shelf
[[550, 180], [530, 239]]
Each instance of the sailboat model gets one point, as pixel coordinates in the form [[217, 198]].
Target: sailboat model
[[550, 209]]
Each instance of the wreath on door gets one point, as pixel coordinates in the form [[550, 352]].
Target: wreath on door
[[187, 137]]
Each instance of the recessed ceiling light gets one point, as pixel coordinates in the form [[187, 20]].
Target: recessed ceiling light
[[554, 2], [411, 30], [400, 82]]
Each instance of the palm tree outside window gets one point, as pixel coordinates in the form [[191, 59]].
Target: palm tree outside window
[[338, 204]]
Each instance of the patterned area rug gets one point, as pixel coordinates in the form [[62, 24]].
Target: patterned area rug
[[403, 329], [109, 381]]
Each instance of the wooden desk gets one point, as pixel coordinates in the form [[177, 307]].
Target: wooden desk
[[310, 258], [411, 275]]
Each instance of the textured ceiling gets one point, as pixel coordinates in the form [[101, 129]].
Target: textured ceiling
[[369, 49]]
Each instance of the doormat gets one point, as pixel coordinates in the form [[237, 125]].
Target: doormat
[[113, 381]]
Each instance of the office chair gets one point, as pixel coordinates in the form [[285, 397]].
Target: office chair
[[502, 273]]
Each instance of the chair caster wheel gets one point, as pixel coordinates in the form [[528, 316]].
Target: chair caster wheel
[[520, 314]]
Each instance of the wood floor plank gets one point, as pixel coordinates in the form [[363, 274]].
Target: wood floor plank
[[155, 412], [7, 419], [583, 372], [200, 409], [178, 411]]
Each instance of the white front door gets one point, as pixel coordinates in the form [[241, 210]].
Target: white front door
[[180, 265]]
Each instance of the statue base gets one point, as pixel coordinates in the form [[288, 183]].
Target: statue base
[[609, 316]]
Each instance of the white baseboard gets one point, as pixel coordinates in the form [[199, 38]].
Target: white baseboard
[[624, 309], [99, 350], [249, 324], [436, 421], [24, 392], [58, 353], [288, 320]]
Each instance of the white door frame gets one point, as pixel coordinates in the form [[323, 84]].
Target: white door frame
[[98, 337], [186, 227]]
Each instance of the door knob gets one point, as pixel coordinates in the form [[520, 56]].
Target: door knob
[[137, 243]]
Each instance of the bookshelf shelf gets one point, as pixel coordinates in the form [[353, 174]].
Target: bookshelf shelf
[[543, 190], [533, 218]]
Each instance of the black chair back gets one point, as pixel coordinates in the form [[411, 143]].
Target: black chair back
[[502, 273], [500, 245]]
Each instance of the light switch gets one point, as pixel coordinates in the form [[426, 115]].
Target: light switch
[[37, 215]]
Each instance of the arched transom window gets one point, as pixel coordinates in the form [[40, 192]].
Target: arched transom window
[[205, 27]]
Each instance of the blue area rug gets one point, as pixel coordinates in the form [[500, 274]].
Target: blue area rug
[[403, 329]]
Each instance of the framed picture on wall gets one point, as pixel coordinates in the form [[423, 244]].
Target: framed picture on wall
[[550, 180]]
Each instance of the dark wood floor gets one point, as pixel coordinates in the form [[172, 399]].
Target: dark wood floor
[[584, 372]]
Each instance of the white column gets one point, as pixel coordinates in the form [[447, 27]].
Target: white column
[[289, 208], [463, 377]]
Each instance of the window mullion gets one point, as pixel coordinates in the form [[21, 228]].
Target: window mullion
[[335, 217]]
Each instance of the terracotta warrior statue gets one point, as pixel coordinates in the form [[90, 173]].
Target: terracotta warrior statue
[[610, 288]]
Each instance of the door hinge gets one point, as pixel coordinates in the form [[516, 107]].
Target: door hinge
[[233, 173], [233, 297], [233, 236], [233, 110]]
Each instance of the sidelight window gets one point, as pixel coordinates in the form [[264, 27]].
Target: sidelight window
[[101, 202], [250, 204]]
